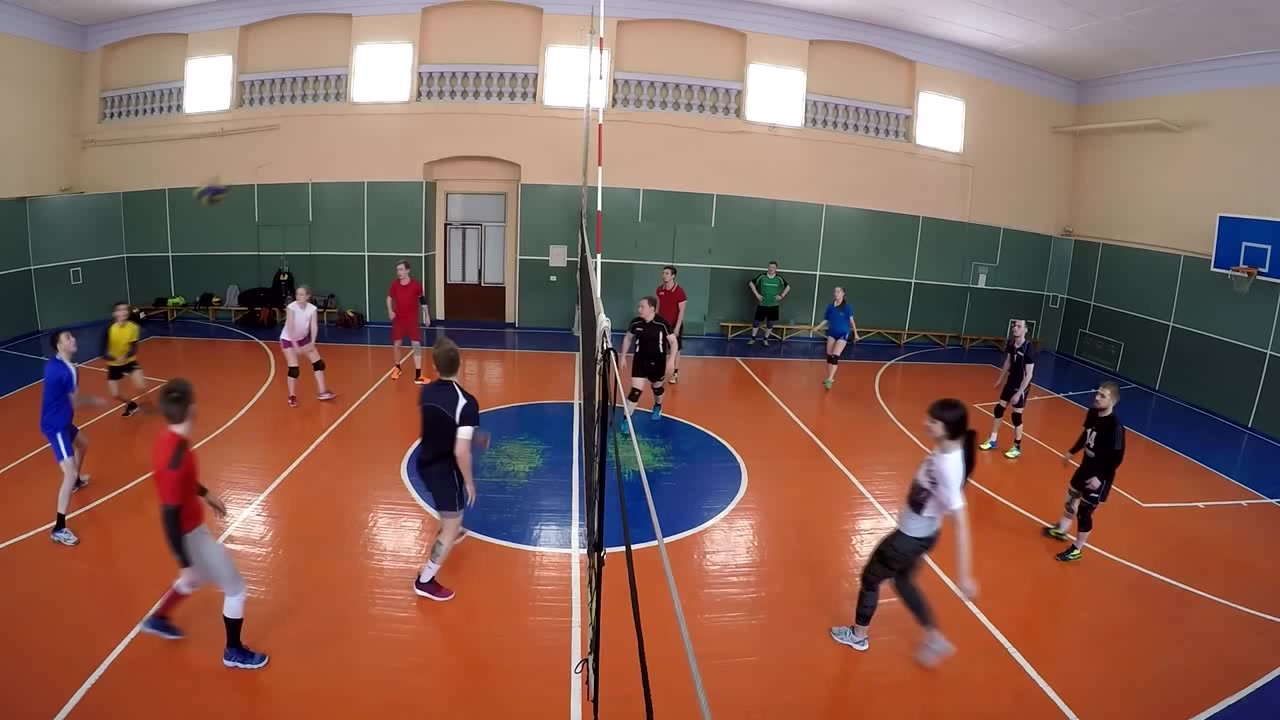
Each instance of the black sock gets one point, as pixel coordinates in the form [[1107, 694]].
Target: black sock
[[1017, 443], [417, 373], [61, 523], [233, 631]]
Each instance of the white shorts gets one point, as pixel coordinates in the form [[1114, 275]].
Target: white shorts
[[211, 561]]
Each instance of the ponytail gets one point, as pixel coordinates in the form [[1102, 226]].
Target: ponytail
[[969, 446]]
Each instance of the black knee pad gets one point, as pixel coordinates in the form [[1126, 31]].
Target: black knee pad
[[293, 371], [1017, 418], [634, 396], [833, 359], [658, 390], [1085, 517], [318, 365], [998, 411]]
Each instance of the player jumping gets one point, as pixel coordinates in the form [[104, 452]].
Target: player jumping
[[58, 404], [1103, 443], [936, 490], [200, 556], [121, 352], [1019, 365], [450, 416], [653, 356], [405, 300]]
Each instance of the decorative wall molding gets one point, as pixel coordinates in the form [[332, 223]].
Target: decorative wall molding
[[666, 93], [142, 103], [478, 83], [858, 117], [293, 87], [41, 28], [1240, 71]]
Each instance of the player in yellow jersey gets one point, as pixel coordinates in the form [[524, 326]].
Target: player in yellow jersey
[[121, 353]]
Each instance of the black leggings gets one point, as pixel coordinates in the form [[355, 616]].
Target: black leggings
[[895, 557]]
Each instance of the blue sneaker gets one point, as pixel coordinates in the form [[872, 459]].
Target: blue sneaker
[[657, 413], [244, 658], [157, 625]]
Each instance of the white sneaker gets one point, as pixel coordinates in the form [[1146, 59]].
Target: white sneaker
[[843, 634], [64, 536], [933, 650]]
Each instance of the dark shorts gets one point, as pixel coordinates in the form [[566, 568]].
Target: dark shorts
[[650, 367], [1078, 484], [896, 554], [298, 344], [1009, 389], [444, 482], [839, 336], [116, 372], [766, 313]]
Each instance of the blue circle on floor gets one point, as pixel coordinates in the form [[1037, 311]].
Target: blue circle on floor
[[525, 480]]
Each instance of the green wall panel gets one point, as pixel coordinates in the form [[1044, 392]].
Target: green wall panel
[[948, 250], [146, 222], [1075, 317], [1190, 353], [625, 236], [1024, 261], [149, 279], [228, 226], [430, 229], [395, 221], [673, 208], [696, 283], [1143, 342], [1084, 267], [1267, 419], [1207, 302], [549, 215], [547, 303], [284, 239], [938, 308], [728, 299], [693, 244], [879, 304], [749, 232], [62, 303], [344, 277], [1051, 325], [379, 279], [991, 310], [337, 217], [284, 204], [1140, 281], [869, 243], [15, 251], [1060, 266], [196, 274], [75, 227], [19, 303]]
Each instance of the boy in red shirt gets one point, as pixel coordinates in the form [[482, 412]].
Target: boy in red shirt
[[403, 302], [671, 302], [199, 554]]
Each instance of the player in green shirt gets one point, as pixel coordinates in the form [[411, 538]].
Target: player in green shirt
[[769, 288]]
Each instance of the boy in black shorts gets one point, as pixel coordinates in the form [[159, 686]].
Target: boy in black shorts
[[653, 353], [1015, 376], [1103, 443], [120, 349]]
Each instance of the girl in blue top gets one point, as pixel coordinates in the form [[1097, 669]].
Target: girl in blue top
[[840, 327]]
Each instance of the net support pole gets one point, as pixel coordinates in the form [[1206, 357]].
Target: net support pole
[[600, 148]]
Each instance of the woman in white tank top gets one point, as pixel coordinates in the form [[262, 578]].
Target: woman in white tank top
[[298, 337]]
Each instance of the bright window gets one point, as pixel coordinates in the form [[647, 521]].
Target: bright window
[[775, 95], [566, 72], [382, 72], [940, 122], [207, 84]]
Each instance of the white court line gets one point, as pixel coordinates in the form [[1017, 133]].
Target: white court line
[[244, 515], [1095, 548], [1212, 503], [1238, 696], [1008, 646], [271, 376], [1055, 451], [84, 365], [575, 572], [1090, 391]]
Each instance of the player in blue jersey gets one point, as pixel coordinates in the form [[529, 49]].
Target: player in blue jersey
[[57, 422], [840, 329]]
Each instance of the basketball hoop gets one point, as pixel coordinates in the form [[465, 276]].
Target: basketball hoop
[[1242, 277]]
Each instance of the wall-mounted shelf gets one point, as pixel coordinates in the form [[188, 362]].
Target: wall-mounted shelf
[[1155, 124]]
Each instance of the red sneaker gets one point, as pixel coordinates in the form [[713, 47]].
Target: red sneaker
[[432, 590]]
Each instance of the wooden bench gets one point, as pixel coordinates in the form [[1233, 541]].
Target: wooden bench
[[898, 337], [211, 313], [780, 331]]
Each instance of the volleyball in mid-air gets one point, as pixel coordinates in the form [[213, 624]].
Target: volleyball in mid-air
[[210, 194]]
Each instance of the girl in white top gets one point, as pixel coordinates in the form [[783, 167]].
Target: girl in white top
[[937, 490], [298, 337]]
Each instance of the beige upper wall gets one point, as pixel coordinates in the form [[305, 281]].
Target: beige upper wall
[[41, 85], [296, 42], [1166, 189], [449, 34], [681, 48], [881, 77], [146, 60]]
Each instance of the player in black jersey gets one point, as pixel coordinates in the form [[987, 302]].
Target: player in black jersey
[[652, 338], [1019, 364], [1103, 443]]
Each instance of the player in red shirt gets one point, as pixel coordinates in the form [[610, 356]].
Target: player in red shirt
[[201, 556], [403, 302], [671, 302]]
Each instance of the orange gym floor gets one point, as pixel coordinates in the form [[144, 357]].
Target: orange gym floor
[[1173, 613]]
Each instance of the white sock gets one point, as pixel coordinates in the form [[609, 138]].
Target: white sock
[[429, 571]]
